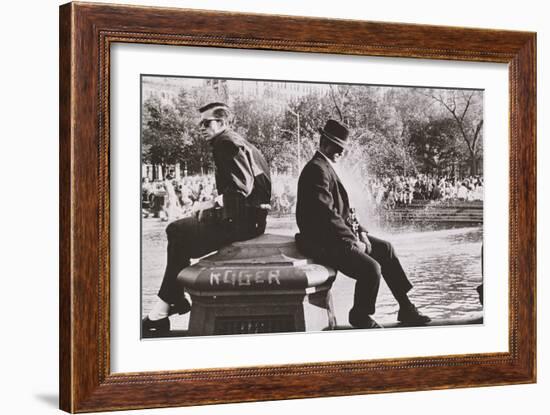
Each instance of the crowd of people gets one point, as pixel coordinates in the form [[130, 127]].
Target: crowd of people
[[283, 197], [176, 198], [172, 198], [392, 192]]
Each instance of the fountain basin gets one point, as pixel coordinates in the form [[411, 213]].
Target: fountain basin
[[263, 285]]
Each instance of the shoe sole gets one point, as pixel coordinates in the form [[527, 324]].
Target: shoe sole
[[414, 323]]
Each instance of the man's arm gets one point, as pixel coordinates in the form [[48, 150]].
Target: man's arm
[[316, 190], [236, 181], [234, 165]]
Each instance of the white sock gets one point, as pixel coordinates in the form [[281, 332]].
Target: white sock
[[160, 310]]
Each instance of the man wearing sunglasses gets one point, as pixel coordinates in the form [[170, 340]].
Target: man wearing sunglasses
[[243, 182], [331, 234]]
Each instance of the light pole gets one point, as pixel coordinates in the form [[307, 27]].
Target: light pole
[[298, 135]]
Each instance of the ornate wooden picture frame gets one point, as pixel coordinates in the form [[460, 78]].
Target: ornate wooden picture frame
[[87, 32]]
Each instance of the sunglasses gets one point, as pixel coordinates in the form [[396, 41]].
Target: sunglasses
[[206, 122]]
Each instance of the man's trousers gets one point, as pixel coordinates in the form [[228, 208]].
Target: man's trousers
[[190, 238], [367, 270]]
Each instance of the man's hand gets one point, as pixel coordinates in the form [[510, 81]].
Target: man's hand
[[361, 246], [199, 208], [364, 238]]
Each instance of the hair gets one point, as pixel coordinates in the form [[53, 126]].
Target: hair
[[220, 110], [212, 105]]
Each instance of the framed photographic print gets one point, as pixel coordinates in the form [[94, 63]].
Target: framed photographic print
[[260, 207]]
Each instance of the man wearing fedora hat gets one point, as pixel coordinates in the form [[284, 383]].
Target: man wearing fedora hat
[[331, 234]]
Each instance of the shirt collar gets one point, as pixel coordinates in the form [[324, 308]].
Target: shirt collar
[[213, 139]]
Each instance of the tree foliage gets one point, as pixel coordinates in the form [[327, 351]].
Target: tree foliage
[[465, 108], [393, 131]]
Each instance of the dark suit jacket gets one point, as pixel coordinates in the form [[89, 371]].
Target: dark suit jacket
[[322, 209], [243, 178]]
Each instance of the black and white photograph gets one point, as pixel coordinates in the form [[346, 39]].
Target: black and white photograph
[[277, 206]]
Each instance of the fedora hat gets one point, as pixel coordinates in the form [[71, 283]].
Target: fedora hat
[[336, 132]]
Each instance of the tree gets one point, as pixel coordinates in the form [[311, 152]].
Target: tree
[[164, 139], [434, 144], [314, 110], [466, 109], [258, 119], [378, 118]]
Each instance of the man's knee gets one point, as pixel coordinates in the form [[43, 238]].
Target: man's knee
[[375, 270], [369, 267], [390, 249], [384, 247], [177, 229], [171, 230]]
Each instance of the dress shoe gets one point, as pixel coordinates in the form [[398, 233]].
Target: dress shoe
[[155, 328], [182, 306], [410, 315], [479, 290], [364, 322]]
